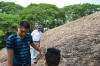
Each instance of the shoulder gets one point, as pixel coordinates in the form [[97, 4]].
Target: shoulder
[[12, 36], [28, 35], [34, 31]]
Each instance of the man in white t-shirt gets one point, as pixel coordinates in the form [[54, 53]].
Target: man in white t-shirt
[[36, 36]]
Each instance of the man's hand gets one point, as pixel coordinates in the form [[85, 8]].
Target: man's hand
[[39, 45], [37, 48], [42, 54]]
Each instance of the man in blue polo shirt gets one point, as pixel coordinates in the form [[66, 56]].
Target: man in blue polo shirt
[[18, 46]]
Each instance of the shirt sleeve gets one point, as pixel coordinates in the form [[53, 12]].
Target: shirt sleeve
[[9, 44]]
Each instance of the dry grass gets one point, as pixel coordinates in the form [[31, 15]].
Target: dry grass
[[86, 25]]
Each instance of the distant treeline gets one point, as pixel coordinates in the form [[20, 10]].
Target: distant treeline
[[48, 15]]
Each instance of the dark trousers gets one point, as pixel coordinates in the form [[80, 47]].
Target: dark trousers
[[29, 64]]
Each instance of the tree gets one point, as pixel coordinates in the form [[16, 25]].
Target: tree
[[10, 7], [8, 25], [74, 12], [40, 13]]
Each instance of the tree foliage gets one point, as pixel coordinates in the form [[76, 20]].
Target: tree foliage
[[10, 7], [8, 25], [41, 13], [74, 12]]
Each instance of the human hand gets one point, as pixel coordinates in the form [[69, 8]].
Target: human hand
[[39, 45], [42, 54]]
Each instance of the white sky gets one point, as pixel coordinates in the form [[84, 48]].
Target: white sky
[[58, 3]]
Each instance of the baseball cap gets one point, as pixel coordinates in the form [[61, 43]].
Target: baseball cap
[[39, 26]]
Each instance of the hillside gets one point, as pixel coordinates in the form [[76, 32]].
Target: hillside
[[79, 42]]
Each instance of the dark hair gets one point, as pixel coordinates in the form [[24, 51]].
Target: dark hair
[[52, 57], [25, 24]]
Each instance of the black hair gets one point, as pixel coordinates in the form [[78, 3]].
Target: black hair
[[52, 57], [25, 24]]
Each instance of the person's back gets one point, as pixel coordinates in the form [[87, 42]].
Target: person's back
[[52, 57]]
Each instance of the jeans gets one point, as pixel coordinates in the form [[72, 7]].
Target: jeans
[[34, 52]]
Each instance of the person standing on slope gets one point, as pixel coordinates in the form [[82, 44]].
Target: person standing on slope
[[36, 36]]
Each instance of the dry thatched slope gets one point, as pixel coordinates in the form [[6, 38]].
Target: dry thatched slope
[[79, 41], [85, 25]]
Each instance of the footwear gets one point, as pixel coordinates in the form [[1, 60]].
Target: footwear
[[35, 62]]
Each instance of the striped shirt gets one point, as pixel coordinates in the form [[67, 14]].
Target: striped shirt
[[21, 48]]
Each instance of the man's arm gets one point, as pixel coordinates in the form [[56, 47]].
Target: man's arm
[[10, 57], [39, 44], [40, 39], [35, 47]]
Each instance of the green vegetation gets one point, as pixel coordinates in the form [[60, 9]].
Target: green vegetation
[[8, 25], [46, 14], [74, 12], [10, 7]]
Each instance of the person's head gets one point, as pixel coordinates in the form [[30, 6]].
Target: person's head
[[52, 57], [39, 27], [23, 28]]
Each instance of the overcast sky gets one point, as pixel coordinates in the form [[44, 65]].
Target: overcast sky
[[58, 3]]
